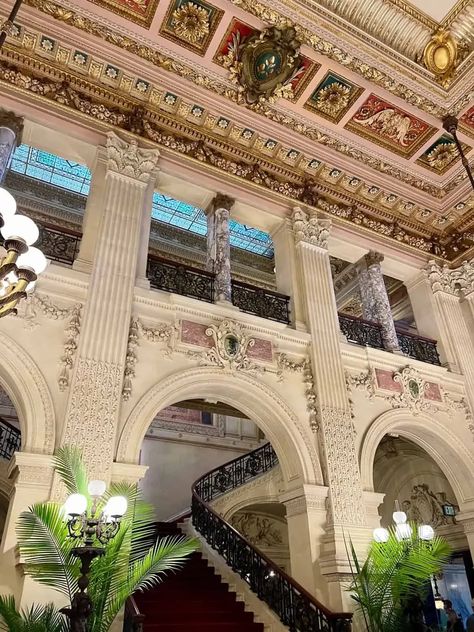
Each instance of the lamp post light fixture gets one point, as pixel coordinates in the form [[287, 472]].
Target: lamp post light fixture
[[403, 530], [20, 262], [7, 25], [91, 528]]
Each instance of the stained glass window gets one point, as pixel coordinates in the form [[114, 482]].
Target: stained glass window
[[170, 211], [52, 169], [72, 176]]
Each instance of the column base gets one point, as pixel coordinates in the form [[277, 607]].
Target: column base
[[143, 282], [227, 304], [81, 265]]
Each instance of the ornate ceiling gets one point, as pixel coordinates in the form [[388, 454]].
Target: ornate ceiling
[[344, 110]]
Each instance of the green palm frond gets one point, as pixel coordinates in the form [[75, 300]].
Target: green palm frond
[[394, 572], [46, 548], [37, 618], [70, 466]]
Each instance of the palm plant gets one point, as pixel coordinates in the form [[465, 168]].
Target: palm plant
[[131, 562], [34, 619], [394, 577]]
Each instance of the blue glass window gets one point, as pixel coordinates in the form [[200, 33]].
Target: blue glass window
[[170, 211], [52, 169]]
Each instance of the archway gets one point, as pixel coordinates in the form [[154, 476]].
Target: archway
[[452, 457], [291, 440], [29, 393]]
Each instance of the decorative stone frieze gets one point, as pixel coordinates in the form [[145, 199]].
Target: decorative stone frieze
[[70, 345], [453, 281], [308, 227], [284, 364], [128, 159]]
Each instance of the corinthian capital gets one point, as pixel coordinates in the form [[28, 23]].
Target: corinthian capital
[[221, 200], [454, 281], [310, 228], [12, 121], [128, 159]]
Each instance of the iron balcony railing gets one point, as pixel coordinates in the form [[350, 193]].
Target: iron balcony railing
[[296, 608], [59, 244], [369, 334], [180, 279], [261, 302], [10, 439]]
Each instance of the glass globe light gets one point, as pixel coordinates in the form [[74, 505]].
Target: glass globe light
[[20, 227], [115, 508], [399, 517], [76, 504], [381, 535], [96, 487], [33, 259], [30, 287], [426, 532], [403, 531], [7, 204]]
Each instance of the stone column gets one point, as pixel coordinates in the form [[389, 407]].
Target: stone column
[[31, 476], [94, 400], [11, 129], [286, 271], [449, 287], [466, 519], [374, 297], [218, 245], [306, 517], [335, 432]]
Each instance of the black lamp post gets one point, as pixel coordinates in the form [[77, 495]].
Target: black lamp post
[[8, 24], [450, 124], [90, 527]]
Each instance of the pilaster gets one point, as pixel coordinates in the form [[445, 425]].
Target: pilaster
[[449, 287], [374, 297], [218, 245], [466, 519], [11, 129], [336, 430], [286, 271], [95, 394]]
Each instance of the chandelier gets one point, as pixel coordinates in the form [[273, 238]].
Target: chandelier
[[20, 262]]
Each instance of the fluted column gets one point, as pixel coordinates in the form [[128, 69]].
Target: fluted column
[[218, 245], [11, 129], [450, 287], [346, 510], [374, 297], [95, 393]]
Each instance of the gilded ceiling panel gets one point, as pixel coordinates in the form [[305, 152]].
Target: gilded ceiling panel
[[140, 11], [441, 155], [389, 126], [333, 97], [191, 24]]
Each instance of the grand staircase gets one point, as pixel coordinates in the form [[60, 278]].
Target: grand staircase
[[196, 600], [193, 600]]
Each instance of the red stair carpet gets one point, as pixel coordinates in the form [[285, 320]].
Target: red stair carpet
[[193, 600]]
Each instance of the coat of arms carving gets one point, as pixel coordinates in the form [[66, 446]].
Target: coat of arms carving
[[266, 64]]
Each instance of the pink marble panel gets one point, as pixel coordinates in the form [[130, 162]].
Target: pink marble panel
[[261, 350], [385, 380], [195, 334], [433, 392]]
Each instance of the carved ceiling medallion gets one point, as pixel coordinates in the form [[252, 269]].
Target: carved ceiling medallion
[[440, 56], [265, 64]]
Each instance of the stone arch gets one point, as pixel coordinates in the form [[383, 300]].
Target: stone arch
[[295, 449], [27, 388], [452, 457]]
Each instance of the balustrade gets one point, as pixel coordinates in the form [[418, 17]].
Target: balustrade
[[296, 608], [59, 244], [362, 332], [10, 439], [180, 279], [418, 347], [261, 302]]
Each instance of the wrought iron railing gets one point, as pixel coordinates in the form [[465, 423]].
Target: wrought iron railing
[[418, 347], [261, 302], [362, 332], [10, 439], [133, 620], [180, 279], [297, 609], [58, 244]]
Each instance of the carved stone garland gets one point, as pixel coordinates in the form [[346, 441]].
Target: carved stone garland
[[163, 333], [70, 346], [304, 367]]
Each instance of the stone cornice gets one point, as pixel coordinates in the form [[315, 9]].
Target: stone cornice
[[107, 110]]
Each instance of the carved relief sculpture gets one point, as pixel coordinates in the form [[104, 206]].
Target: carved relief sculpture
[[426, 507], [266, 64]]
